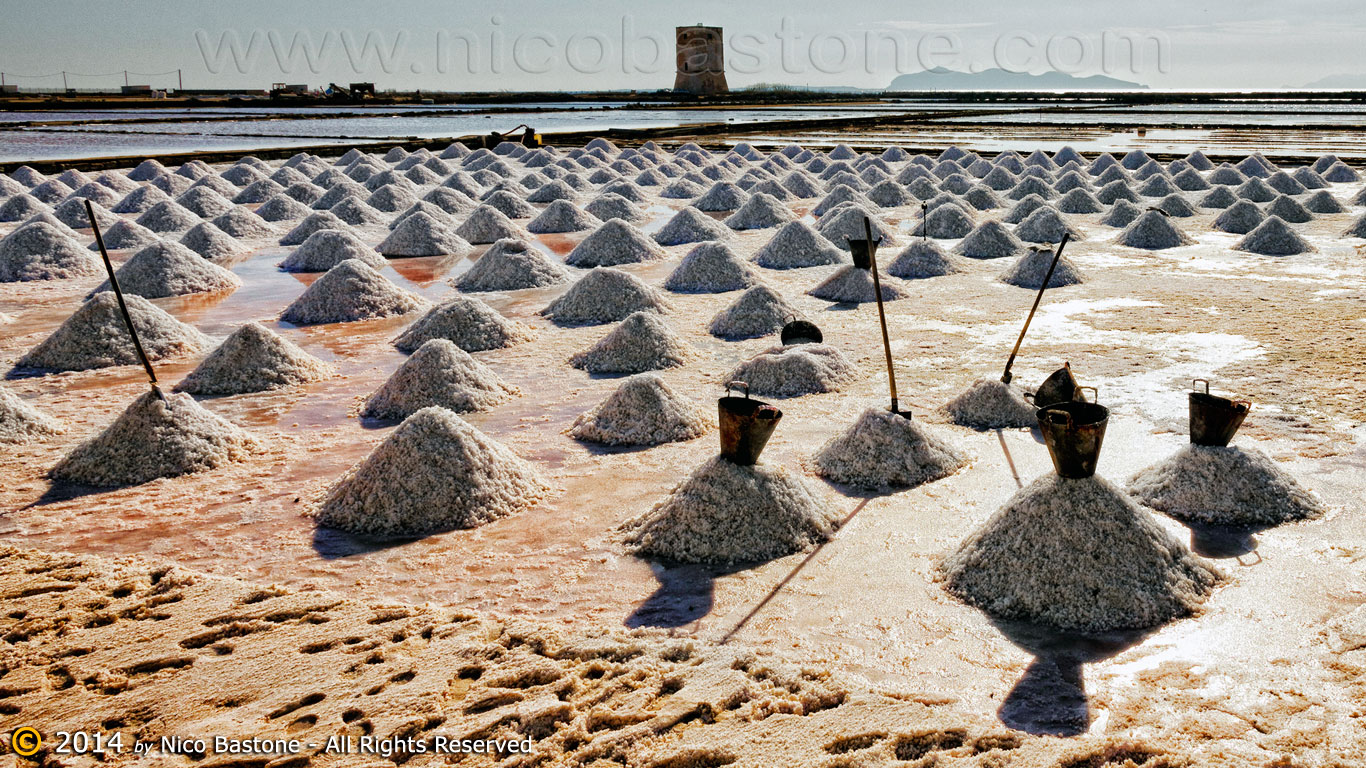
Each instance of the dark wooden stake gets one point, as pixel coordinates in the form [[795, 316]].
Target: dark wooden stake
[[123, 306], [1006, 377], [881, 314]]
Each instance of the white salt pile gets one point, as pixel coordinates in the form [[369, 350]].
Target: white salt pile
[[711, 268], [435, 472], [488, 225], [991, 240], [604, 295], [1323, 202], [1289, 210], [165, 269], [644, 410], [510, 265], [423, 235], [760, 212], [613, 243], [467, 322], [348, 292], [845, 223], [21, 207], [72, 213], [240, 222], [96, 337], [923, 259], [793, 371], [725, 513], [797, 245], [722, 196], [945, 222], [40, 251], [610, 205], [253, 359], [512, 206], [1231, 485], [1079, 200], [1078, 555], [167, 216], [1153, 231], [562, 216], [1045, 225], [1274, 237], [439, 374], [849, 284], [690, 225], [992, 404], [1121, 214], [212, 243], [22, 423], [327, 248], [642, 342], [315, 222], [1030, 270], [759, 311], [155, 438], [1240, 218], [885, 450]]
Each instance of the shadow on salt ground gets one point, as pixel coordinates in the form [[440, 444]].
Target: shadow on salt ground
[[685, 595], [334, 544], [1050, 699], [59, 492], [1221, 542]]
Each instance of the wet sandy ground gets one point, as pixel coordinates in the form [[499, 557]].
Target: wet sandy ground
[[1288, 332]]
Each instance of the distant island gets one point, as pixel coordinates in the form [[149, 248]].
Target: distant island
[[940, 79], [1339, 83]]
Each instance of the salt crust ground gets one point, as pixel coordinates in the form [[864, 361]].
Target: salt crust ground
[[1224, 486], [22, 423], [441, 374], [644, 410], [642, 342], [253, 359], [1078, 555], [991, 404], [796, 370], [725, 513], [349, 292], [883, 450], [155, 438], [473, 325], [95, 337], [435, 472]]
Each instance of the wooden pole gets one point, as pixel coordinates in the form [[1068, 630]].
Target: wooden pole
[[1006, 377], [123, 307], [881, 314]]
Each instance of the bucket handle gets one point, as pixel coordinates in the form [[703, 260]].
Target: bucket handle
[[1200, 381], [737, 385], [1095, 394]]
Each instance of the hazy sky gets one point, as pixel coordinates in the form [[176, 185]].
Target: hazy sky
[[535, 44]]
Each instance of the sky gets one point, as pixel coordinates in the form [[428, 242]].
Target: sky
[[540, 45]]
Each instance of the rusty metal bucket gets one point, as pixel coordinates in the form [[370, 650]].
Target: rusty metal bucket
[[1215, 420], [746, 425], [1074, 432], [797, 331], [863, 251], [1060, 387]]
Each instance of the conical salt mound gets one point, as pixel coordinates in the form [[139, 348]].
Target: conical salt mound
[[22, 423], [1045, 225], [327, 248], [690, 225], [435, 472], [422, 235], [853, 285], [253, 359], [510, 265], [723, 196], [1274, 237], [125, 235], [40, 251], [725, 513], [845, 222], [155, 438], [1358, 228], [1153, 231], [884, 450], [1030, 270], [923, 259], [711, 268], [1121, 214], [314, 222], [1231, 486], [610, 205], [1078, 555], [1240, 218], [468, 322], [992, 404], [240, 222], [349, 292], [1289, 210], [944, 222], [604, 295], [440, 374], [795, 370], [990, 241], [212, 243], [759, 212], [758, 312], [642, 342], [488, 225], [165, 269], [168, 216], [96, 337], [615, 242], [797, 245], [644, 410], [562, 216]]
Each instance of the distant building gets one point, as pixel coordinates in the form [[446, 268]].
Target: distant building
[[701, 66]]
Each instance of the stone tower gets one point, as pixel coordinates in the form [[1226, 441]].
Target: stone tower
[[701, 61]]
